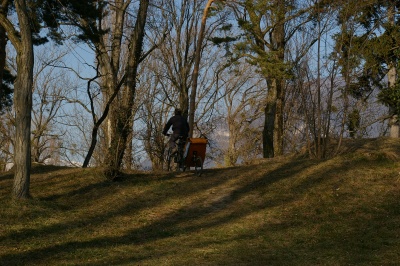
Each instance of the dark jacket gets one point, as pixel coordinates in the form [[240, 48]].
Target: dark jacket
[[179, 125]]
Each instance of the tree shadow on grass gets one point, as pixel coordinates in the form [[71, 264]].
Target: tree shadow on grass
[[349, 239], [193, 216], [173, 224], [6, 176]]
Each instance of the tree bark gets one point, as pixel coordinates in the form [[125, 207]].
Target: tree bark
[[3, 43], [109, 65], [392, 75], [23, 103], [273, 127], [122, 120], [192, 105], [269, 120]]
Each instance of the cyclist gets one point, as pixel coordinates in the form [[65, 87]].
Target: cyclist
[[180, 127]]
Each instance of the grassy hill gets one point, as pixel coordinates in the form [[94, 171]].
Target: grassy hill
[[281, 211]]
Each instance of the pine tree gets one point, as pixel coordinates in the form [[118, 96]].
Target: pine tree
[[267, 28], [32, 17], [373, 48]]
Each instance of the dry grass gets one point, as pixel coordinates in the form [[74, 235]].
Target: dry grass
[[284, 211]]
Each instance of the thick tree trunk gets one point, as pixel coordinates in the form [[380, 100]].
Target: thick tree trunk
[[119, 134], [278, 127], [273, 126], [269, 120], [109, 65], [121, 118], [128, 158], [193, 95], [231, 155], [23, 105], [273, 123], [184, 101]]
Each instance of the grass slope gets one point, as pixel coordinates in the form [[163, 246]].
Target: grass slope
[[282, 211]]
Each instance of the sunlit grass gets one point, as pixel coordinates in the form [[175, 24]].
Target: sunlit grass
[[283, 211]]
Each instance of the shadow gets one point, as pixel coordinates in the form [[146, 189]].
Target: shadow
[[43, 169], [6, 176], [348, 238], [187, 219], [211, 208], [35, 169]]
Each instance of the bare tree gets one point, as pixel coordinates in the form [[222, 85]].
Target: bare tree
[[178, 52], [117, 57], [197, 57], [241, 89], [167, 77], [122, 117], [50, 88], [268, 27], [21, 39]]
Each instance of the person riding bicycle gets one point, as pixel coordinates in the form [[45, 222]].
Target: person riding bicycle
[[180, 127]]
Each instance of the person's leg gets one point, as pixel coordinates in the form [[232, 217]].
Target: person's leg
[[172, 141]]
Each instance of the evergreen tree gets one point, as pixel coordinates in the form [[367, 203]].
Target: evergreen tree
[[369, 41], [6, 90], [32, 17], [267, 29]]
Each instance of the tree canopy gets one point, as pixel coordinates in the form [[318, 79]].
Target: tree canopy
[[257, 77]]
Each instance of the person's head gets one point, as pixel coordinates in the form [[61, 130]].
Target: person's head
[[178, 111]]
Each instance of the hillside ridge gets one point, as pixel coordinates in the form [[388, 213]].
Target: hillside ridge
[[281, 211]]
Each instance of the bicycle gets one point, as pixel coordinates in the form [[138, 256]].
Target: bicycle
[[193, 156], [176, 155]]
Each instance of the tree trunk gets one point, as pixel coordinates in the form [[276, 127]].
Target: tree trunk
[[184, 101], [3, 43], [273, 125], [231, 156], [392, 75], [278, 126], [23, 104], [98, 123], [109, 65], [269, 120], [394, 120], [128, 159], [192, 106], [121, 118]]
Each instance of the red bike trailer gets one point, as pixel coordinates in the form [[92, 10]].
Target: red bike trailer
[[195, 148]]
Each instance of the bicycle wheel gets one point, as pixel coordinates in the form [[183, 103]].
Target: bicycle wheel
[[198, 165]]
